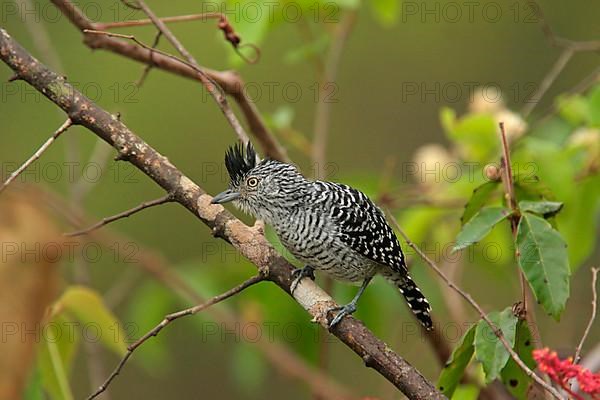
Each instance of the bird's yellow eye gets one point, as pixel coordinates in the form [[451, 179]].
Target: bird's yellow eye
[[252, 182]]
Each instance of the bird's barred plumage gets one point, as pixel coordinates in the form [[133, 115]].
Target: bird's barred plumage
[[330, 226]]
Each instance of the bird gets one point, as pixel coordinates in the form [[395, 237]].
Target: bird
[[330, 227]]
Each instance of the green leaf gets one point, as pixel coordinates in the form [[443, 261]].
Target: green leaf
[[529, 186], [480, 196], [34, 389], [99, 322], [480, 225], [542, 255], [514, 378], [489, 351], [544, 208], [56, 352], [466, 392], [455, 367], [579, 221], [386, 11]]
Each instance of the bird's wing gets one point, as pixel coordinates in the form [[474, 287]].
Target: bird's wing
[[364, 228]]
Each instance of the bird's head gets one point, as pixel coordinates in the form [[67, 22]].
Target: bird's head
[[264, 189]]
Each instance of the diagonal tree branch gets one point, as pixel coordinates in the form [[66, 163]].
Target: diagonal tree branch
[[249, 241]]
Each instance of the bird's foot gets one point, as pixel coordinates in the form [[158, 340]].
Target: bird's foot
[[299, 274], [348, 309]]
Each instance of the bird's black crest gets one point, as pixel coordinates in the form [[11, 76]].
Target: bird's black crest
[[239, 162]]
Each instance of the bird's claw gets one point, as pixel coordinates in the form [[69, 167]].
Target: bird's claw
[[299, 274], [348, 309]]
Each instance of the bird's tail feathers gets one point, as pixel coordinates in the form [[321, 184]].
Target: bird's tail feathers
[[417, 302]]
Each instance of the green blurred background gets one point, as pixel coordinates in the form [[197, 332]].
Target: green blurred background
[[400, 67]]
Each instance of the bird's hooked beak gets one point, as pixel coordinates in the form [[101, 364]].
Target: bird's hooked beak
[[225, 196]]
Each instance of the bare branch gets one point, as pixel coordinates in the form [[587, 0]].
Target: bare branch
[[209, 83], [249, 241], [229, 81], [558, 41], [167, 320], [509, 190], [524, 311], [569, 48], [144, 22], [580, 87], [37, 154], [479, 310], [507, 178], [592, 317], [551, 75], [125, 214], [150, 65], [152, 49]]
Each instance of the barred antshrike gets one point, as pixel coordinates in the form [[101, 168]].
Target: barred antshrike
[[329, 226]]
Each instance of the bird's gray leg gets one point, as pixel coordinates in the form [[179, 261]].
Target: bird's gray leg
[[350, 307], [299, 274]]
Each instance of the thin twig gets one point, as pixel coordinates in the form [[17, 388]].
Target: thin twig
[[37, 154], [557, 41], [224, 25], [592, 317], [210, 84], [525, 311], [509, 189], [127, 213], [170, 318], [150, 65], [144, 22], [580, 87], [507, 170], [144, 45], [230, 81], [569, 48], [479, 310], [548, 80]]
